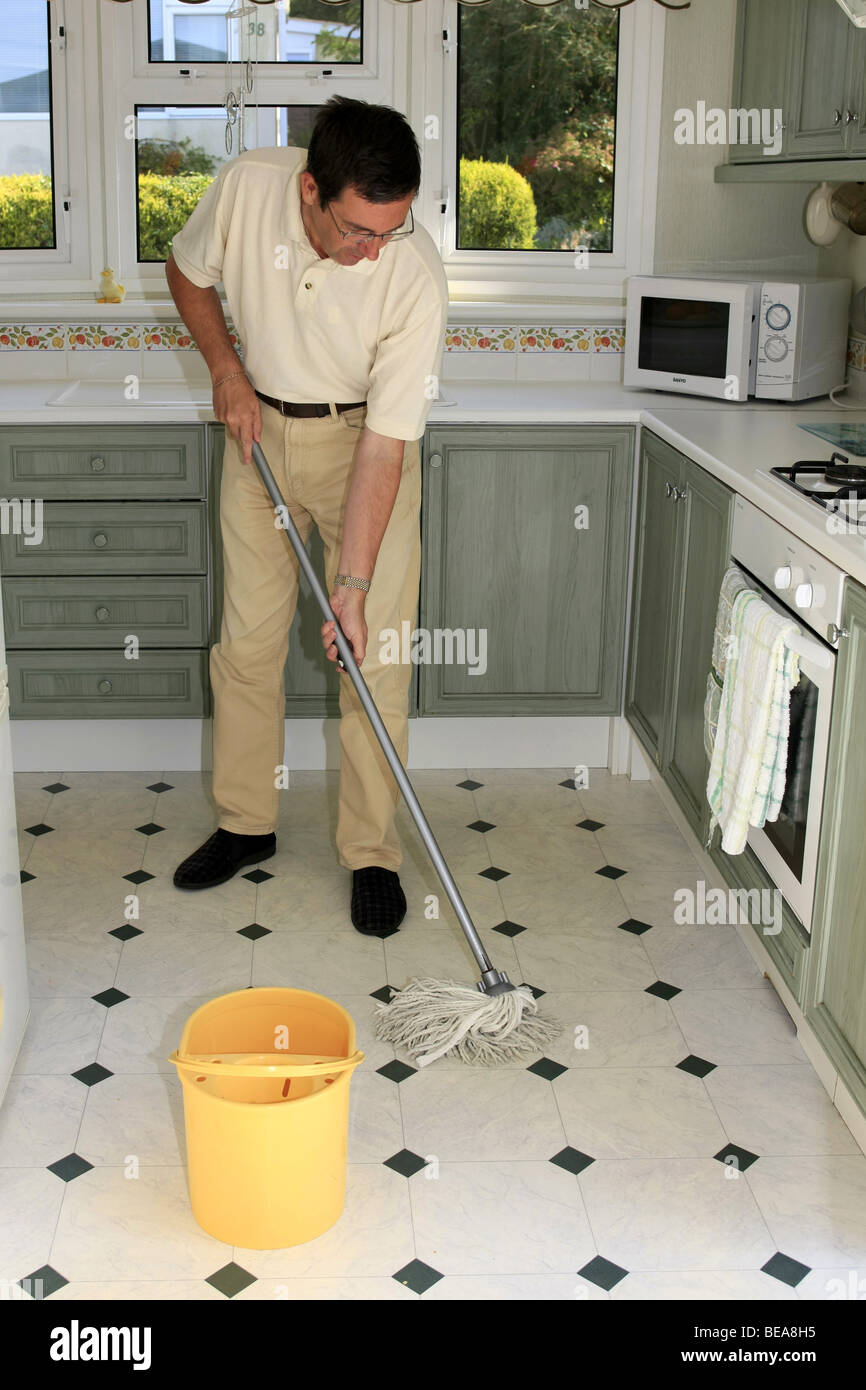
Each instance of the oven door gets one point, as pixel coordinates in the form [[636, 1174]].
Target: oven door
[[788, 846]]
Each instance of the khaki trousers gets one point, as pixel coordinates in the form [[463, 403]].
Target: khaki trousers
[[311, 460]]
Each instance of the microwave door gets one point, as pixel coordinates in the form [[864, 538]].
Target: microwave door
[[684, 336]]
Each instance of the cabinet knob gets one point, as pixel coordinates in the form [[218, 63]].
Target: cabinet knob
[[435, 460], [102, 614], [104, 687], [669, 492], [836, 633], [100, 540], [850, 116], [681, 494], [837, 116], [97, 465]]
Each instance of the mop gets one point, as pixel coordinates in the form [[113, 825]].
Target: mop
[[495, 1022]]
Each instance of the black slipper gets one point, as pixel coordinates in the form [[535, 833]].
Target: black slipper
[[220, 857], [378, 901]]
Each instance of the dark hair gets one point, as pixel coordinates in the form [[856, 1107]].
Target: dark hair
[[371, 149]]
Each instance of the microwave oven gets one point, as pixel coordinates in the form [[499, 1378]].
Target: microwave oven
[[735, 338]]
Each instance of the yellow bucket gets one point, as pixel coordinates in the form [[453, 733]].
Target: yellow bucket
[[266, 1075]]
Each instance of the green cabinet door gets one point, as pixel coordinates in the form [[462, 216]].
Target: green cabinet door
[[819, 115], [857, 125], [761, 66], [836, 986], [654, 594], [525, 558], [705, 507]]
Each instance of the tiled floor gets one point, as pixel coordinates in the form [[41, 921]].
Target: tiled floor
[[674, 1143]]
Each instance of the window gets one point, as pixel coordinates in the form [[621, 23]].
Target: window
[[288, 31], [536, 127], [180, 149], [27, 211]]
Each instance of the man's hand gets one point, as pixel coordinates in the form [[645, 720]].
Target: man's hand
[[348, 608], [236, 405]]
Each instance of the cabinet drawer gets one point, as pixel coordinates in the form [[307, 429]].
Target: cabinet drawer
[[111, 538], [102, 461], [85, 612], [104, 685]]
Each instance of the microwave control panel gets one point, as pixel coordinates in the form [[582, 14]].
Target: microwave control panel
[[777, 332]]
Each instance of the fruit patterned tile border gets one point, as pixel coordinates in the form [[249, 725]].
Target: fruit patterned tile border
[[504, 338], [173, 337]]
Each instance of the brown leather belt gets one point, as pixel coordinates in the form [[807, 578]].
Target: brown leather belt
[[305, 411]]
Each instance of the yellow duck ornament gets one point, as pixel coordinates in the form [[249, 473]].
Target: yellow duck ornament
[[109, 290]]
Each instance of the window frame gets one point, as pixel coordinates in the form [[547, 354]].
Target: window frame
[[129, 80], [504, 281], [69, 264]]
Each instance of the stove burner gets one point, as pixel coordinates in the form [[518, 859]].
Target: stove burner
[[846, 473]]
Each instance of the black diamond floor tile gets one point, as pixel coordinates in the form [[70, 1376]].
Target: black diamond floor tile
[[735, 1157], [231, 1279], [570, 783], [406, 1162], [27, 878], [469, 785], [609, 871], [110, 997], [572, 1160], [92, 1075], [603, 1273], [40, 829], [396, 1071], [494, 874], [418, 1276], [72, 1166], [534, 991], [55, 788], [150, 829], [257, 876], [140, 876], [482, 826], [384, 995], [590, 825], [635, 926], [508, 928], [253, 932], [160, 787], [547, 1069], [126, 932], [662, 990], [785, 1269], [696, 1066], [43, 1282]]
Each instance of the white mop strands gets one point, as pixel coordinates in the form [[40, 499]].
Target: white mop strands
[[431, 1017]]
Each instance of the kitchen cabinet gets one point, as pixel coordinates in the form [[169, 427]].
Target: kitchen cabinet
[[525, 536], [681, 553], [836, 984], [761, 60], [122, 555], [807, 59]]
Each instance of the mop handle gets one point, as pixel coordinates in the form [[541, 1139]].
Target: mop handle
[[350, 664]]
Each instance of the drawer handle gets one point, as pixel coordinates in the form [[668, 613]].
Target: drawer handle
[[100, 540], [435, 460], [104, 687], [103, 615], [97, 464]]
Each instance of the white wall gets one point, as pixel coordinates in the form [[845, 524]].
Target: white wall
[[701, 225]]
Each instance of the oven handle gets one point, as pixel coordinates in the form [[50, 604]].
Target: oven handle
[[808, 648]]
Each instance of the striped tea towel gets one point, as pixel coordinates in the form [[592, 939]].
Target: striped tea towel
[[733, 583], [712, 705], [747, 772]]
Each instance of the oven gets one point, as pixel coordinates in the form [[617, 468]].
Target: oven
[[798, 582]]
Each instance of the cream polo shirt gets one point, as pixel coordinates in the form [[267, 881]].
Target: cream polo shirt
[[314, 330]]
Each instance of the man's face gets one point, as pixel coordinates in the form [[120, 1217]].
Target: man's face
[[351, 213]]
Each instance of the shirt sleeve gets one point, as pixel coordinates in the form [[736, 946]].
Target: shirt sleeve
[[404, 377], [198, 248]]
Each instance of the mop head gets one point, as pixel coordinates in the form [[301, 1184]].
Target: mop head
[[431, 1017]]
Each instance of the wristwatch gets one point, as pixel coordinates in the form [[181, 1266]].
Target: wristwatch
[[350, 582]]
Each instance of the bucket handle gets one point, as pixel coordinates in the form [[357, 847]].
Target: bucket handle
[[324, 1068]]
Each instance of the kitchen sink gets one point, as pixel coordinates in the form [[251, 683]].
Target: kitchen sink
[[150, 393]]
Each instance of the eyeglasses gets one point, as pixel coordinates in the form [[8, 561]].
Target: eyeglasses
[[361, 238]]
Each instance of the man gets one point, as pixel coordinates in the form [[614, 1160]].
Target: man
[[340, 301]]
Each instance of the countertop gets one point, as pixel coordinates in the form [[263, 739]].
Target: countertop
[[736, 441]]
